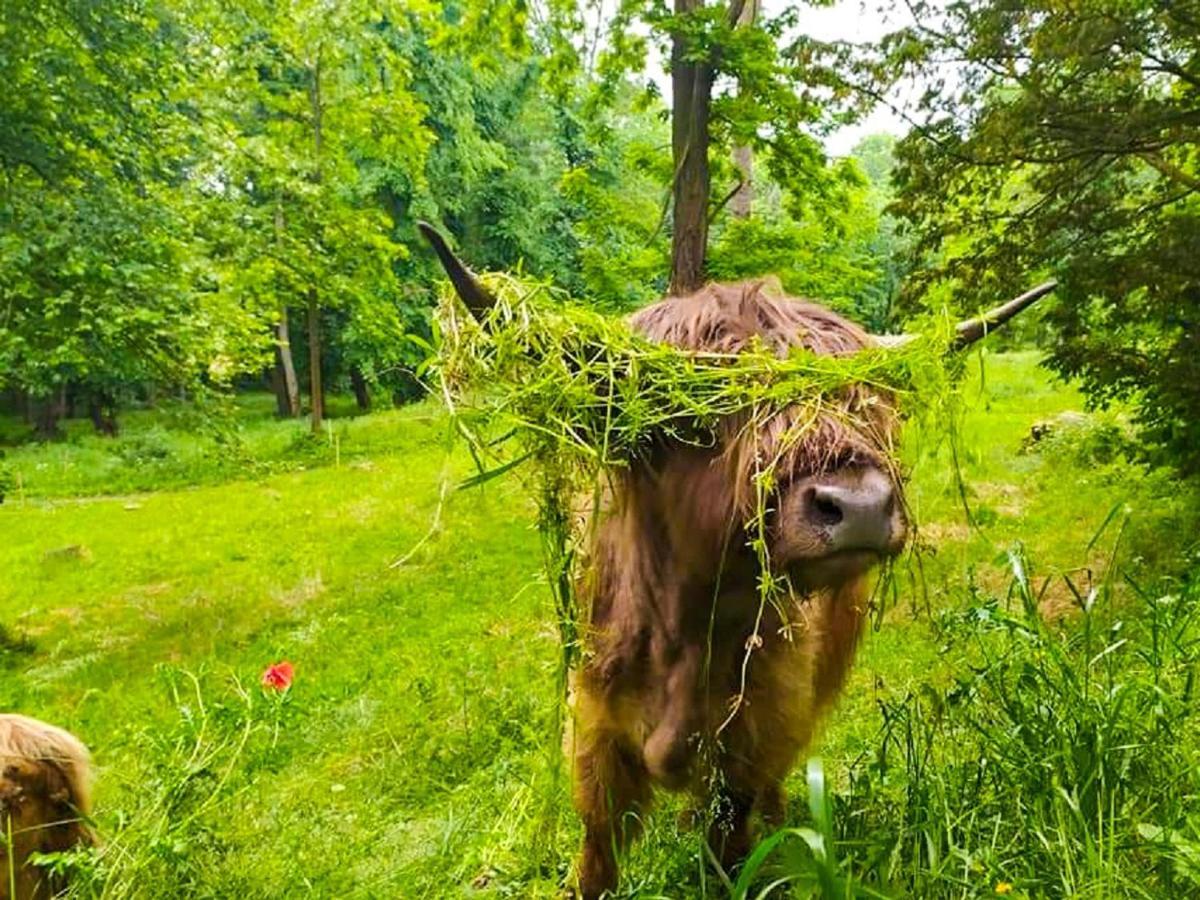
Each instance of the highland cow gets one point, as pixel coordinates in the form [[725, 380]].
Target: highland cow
[[45, 797], [689, 680]]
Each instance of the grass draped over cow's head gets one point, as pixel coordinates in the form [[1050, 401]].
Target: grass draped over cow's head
[[569, 396]]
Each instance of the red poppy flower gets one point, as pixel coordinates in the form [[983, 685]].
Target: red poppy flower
[[278, 677]]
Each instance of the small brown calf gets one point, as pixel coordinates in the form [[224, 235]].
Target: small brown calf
[[45, 798]]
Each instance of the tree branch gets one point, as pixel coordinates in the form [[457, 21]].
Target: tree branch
[[716, 210], [1171, 171]]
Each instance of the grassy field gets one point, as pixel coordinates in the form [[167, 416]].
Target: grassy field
[[147, 581]]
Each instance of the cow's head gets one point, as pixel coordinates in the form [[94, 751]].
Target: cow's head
[[836, 504]]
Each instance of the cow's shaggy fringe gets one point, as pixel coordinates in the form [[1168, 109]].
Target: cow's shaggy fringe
[[578, 396]]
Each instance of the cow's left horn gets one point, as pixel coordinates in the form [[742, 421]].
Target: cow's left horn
[[969, 331], [477, 298]]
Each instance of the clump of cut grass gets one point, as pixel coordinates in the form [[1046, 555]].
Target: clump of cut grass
[[588, 390]]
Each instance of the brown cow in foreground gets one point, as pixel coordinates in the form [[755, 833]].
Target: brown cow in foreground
[[45, 795], [689, 681], [672, 587]]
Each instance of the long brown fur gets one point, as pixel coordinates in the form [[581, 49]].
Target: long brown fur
[[671, 590], [45, 797]]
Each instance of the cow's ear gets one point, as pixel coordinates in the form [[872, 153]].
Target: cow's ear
[[969, 331], [477, 298]]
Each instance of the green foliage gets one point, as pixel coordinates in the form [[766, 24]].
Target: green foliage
[[100, 283], [179, 175], [324, 120], [1060, 760], [845, 254], [1079, 156]]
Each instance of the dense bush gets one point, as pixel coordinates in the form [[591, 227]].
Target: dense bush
[[1080, 160]]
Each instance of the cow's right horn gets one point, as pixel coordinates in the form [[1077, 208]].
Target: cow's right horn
[[477, 298]]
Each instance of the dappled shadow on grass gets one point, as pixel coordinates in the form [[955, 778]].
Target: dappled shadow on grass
[[14, 646]]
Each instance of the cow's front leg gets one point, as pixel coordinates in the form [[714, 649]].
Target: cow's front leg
[[612, 790]]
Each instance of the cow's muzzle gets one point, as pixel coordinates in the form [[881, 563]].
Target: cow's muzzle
[[853, 514], [856, 516]]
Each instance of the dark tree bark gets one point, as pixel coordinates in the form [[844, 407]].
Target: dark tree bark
[[45, 412], [362, 392], [70, 401], [742, 204], [283, 375], [691, 89], [274, 378], [315, 389], [102, 412]]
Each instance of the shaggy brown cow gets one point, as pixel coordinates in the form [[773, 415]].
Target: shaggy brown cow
[[45, 794], [672, 587], [683, 662]]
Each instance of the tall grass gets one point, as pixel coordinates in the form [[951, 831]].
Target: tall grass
[[1061, 760], [182, 791]]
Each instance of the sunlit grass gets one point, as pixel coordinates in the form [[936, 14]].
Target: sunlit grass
[[415, 757]]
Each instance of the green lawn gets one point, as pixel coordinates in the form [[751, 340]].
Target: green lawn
[[414, 756]]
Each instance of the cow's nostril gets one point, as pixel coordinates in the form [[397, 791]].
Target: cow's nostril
[[826, 509]]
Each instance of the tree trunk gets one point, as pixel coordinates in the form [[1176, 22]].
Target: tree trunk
[[691, 88], [45, 412], [742, 204], [102, 412], [283, 379], [275, 382], [362, 393], [315, 390]]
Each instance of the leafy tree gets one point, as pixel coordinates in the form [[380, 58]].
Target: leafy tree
[[186, 181], [100, 284], [1067, 140], [845, 254], [536, 165], [737, 79], [324, 117]]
